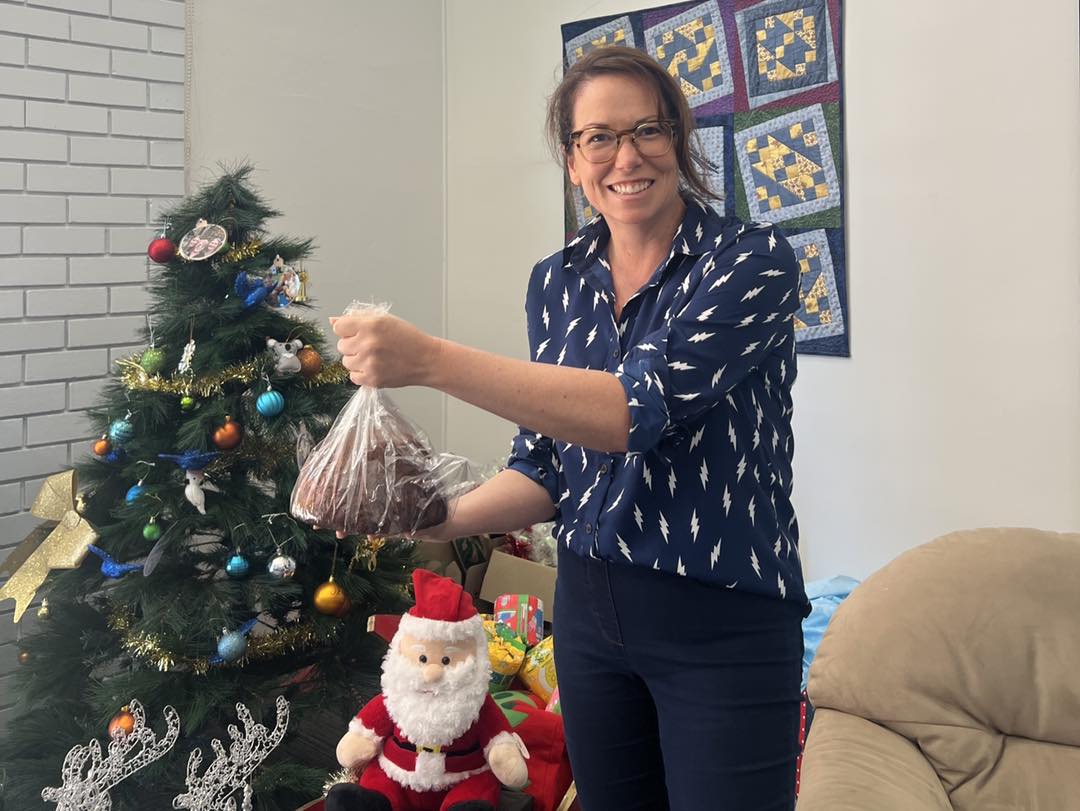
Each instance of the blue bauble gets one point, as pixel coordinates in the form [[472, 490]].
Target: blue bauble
[[270, 403], [231, 647], [238, 566], [115, 456], [134, 492], [121, 430]]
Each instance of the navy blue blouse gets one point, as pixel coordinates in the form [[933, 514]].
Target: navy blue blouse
[[706, 354]]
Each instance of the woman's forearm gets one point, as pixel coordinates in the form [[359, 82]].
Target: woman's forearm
[[579, 406], [506, 502]]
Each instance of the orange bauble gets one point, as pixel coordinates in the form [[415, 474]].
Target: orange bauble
[[331, 599], [122, 724], [310, 362], [228, 435], [102, 447]]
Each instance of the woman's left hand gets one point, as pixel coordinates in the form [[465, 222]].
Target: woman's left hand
[[383, 351]]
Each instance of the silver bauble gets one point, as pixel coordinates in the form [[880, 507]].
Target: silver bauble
[[282, 567]]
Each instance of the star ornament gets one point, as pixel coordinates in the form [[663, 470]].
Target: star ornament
[[60, 543]]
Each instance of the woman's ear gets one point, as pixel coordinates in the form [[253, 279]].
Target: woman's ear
[[571, 168]]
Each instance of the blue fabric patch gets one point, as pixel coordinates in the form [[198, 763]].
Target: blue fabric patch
[[614, 32], [825, 597], [692, 47]]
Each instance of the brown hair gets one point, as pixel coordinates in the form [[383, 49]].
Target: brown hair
[[632, 63]]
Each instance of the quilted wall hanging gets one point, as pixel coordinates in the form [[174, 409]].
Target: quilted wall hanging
[[763, 83]]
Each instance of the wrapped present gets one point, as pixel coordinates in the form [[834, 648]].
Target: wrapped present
[[554, 705], [523, 614], [538, 671], [506, 652]]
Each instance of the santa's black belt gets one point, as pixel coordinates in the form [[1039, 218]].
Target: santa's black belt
[[412, 747]]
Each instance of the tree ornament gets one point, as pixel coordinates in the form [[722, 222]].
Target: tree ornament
[[231, 647], [161, 250], [121, 430], [122, 724], [282, 567], [285, 360], [310, 362], [270, 403], [134, 492], [102, 446], [237, 566], [193, 463], [229, 435], [116, 456], [188, 355], [24, 657], [43, 609], [331, 599], [112, 568], [152, 360], [203, 241], [152, 530], [187, 402]]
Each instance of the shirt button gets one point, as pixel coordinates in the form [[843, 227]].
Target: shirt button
[[543, 473], [588, 529], [603, 470], [615, 352]]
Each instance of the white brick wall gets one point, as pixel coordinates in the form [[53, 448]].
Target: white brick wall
[[91, 147]]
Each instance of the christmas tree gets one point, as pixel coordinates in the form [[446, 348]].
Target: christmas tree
[[198, 590]]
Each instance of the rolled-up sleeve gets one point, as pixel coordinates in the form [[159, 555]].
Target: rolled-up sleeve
[[533, 455], [740, 308]]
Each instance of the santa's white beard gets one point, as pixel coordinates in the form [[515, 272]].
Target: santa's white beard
[[435, 714]]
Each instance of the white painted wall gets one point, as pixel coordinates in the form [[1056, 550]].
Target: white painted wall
[[960, 406], [339, 106]]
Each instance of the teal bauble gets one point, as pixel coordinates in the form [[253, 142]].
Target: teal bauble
[[270, 403], [237, 566], [232, 646], [134, 492], [151, 531], [152, 360], [121, 430]]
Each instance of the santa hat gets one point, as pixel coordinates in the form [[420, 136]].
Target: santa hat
[[443, 609]]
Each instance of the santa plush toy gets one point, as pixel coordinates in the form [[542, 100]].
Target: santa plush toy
[[433, 740]]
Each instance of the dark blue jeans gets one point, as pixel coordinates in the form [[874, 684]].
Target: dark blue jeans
[[675, 694]]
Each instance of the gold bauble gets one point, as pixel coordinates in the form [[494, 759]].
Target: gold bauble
[[24, 657], [331, 599], [310, 362], [122, 724], [229, 435]]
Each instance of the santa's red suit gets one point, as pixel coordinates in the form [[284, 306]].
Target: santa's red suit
[[408, 769]]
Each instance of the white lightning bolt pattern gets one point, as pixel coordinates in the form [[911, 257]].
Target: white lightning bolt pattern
[[688, 397], [562, 355], [685, 247], [716, 379], [771, 317], [604, 263], [618, 498], [754, 562], [787, 295], [637, 519], [757, 439], [623, 547], [783, 371], [592, 336], [671, 483], [622, 328], [731, 402], [547, 319], [727, 501], [698, 337], [741, 469], [664, 527], [656, 564], [721, 280], [751, 510], [772, 240], [679, 568], [573, 324], [704, 475], [592, 246], [565, 299], [540, 349], [647, 474], [698, 232], [777, 546], [595, 300], [752, 293], [732, 436], [547, 277], [772, 273], [748, 320], [569, 535], [714, 556], [775, 440], [742, 257], [647, 347], [564, 496], [750, 347], [680, 366], [686, 285], [780, 583], [694, 526], [584, 460], [696, 438], [529, 445], [707, 313], [581, 283], [710, 266], [634, 403], [656, 380], [757, 477]]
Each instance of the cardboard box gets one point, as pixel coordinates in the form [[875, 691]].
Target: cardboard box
[[507, 574], [464, 561]]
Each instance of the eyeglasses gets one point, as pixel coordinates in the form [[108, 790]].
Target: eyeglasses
[[600, 144]]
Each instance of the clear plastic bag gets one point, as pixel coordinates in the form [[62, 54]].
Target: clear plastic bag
[[375, 472]]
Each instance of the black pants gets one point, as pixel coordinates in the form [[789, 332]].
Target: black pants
[[675, 694]]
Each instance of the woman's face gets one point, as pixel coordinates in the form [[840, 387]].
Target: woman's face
[[629, 189]]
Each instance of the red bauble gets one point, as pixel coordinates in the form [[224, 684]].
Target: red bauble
[[161, 250]]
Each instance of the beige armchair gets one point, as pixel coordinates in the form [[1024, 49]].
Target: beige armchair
[[950, 679]]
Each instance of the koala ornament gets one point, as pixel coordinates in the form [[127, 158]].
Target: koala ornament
[[285, 360]]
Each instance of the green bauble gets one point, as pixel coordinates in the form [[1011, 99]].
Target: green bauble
[[151, 532], [187, 402], [152, 360]]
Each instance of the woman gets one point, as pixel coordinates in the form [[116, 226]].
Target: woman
[[658, 410]]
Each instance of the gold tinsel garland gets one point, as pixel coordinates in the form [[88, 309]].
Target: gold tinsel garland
[[241, 252], [135, 378], [149, 648]]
